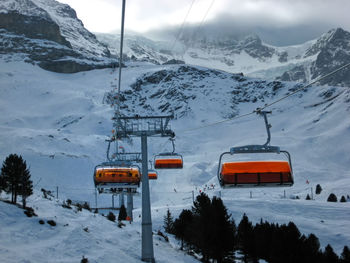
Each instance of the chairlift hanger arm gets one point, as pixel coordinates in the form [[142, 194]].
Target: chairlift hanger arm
[[289, 160], [219, 167], [267, 125]]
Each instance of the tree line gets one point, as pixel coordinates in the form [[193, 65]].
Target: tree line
[[209, 230], [15, 178]]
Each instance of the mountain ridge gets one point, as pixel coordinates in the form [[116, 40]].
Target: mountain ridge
[[248, 54], [28, 26]]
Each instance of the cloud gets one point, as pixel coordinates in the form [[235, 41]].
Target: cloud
[[301, 19]]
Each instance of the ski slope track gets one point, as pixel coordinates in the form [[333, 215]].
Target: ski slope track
[[59, 124]]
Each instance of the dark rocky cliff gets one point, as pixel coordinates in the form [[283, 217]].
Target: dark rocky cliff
[[55, 39], [32, 27]]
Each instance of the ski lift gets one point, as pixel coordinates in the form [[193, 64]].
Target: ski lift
[[117, 174], [256, 173], [168, 160], [152, 174]]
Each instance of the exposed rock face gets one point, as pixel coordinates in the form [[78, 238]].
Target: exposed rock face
[[296, 74], [32, 27], [50, 35], [254, 47], [174, 90], [332, 50], [174, 61], [251, 44]]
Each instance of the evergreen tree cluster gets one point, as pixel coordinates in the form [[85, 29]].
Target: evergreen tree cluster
[[15, 178], [208, 229], [282, 243], [169, 222]]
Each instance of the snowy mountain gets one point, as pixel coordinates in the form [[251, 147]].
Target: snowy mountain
[[50, 34], [332, 50], [59, 126], [59, 123], [248, 54], [137, 47]]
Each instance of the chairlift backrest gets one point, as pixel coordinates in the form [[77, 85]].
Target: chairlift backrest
[[256, 173], [168, 161]]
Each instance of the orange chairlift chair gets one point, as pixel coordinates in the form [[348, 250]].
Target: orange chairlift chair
[[152, 174], [256, 173], [117, 173], [168, 160], [110, 176]]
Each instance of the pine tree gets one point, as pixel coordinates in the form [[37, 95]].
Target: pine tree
[[245, 236], [122, 213], [182, 226], [311, 249], [2, 183], [318, 189], [26, 188], [222, 231], [202, 223], [329, 255], [290, 243], [342, 199], [308, 197], [345, 255], [168, 222], [16, 178], [332, 198]]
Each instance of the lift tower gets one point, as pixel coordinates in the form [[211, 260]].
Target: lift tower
[[144, 127]]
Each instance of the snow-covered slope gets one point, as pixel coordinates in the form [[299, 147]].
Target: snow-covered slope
[[75, 235], [59, 123]]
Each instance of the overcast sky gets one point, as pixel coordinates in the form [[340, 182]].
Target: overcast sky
[[301, 18]]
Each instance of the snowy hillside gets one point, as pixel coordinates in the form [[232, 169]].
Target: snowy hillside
[[76, 234], [59, 123]]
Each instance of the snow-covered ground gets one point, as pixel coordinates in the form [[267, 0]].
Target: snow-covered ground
[[75, 235], [59, 124]]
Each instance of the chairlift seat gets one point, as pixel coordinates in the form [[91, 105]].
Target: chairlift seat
[[116, 175], [152, 175], [170, 162], [258, 173]]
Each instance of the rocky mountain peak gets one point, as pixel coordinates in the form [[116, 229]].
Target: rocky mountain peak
[[337, 36], [24, 7], [51, 35], [331, 50]]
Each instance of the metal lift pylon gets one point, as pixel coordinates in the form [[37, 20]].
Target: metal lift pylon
[[144, 127]]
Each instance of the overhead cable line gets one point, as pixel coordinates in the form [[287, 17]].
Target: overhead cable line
[[305, 87], [176, 39], [219, 122], [197, 29], [206, 13], [182, 27], [269, 104]]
